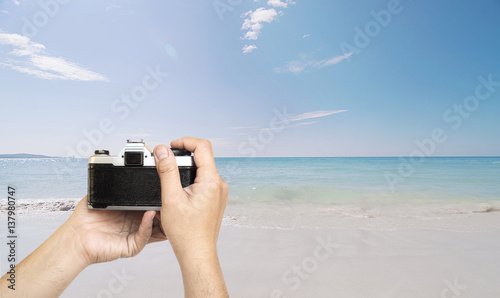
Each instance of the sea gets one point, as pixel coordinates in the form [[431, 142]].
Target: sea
[[286, 192]]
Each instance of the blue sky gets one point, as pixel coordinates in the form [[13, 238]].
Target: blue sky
[[258, 78]]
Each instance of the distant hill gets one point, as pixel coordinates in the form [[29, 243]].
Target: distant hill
[[25, 155]]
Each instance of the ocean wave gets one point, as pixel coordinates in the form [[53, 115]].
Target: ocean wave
[[464, 216], [41, 206]]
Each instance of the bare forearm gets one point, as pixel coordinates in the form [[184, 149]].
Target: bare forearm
[[48, 270], [202, 275]]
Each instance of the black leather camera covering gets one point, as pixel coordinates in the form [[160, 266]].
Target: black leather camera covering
[[110, 185]]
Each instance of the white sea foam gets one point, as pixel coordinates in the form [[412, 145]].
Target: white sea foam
[[24, 206], [265, 215]]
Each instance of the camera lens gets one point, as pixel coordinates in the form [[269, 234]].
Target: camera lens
[[133, 159]]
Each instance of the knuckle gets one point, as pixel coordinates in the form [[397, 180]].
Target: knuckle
[[225, 186], [206, 144], [214, 185]]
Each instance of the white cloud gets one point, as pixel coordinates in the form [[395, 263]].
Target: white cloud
[[306, 35], [293, 125], [301, 124], [249, 48], [298, 66], [314, 114], [295, 67], [245, 127], [112, 6], [16, 2], [254, 21], [279, 3], [4, 11], [334, 60], [294, 118], [223, 142], [32, 58], [20, 42]]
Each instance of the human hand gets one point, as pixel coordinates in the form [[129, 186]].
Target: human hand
[[87, 237], [191, 217], [106, 235]]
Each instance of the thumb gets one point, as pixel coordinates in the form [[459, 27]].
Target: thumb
[[166, 165]]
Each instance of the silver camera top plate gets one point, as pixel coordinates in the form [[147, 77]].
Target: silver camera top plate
[[136, 148]]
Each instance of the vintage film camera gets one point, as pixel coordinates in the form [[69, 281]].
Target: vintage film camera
[[129, 180]]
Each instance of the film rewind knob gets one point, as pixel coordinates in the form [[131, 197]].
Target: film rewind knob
[[102, 151]]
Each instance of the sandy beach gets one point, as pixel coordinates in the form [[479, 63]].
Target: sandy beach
[[366, 261]]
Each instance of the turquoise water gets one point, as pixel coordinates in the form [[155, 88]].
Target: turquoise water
[[343, 179], [295, 180]]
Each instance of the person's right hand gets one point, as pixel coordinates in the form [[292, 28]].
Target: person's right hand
[[191, 217]]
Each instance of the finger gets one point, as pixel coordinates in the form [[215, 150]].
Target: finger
[[157, 223], [145, 230], [203, 155], [166, 165], [158, 233]]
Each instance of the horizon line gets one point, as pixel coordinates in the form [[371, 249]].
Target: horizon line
[[350, 156]]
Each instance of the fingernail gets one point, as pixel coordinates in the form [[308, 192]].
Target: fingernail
[[161, 152]]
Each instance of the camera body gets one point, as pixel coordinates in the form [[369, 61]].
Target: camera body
[[129, 180]]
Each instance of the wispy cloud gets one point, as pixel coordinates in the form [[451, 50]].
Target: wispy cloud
[[32, 58], [306, 35], [16, 2], [249, 48], [334, 60], [245, 127], [306, 63], [112, 6], [279, 3], [290, 120], [312, 115], [221, 142], [294, 125]]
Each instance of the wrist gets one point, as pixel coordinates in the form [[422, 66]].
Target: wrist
[[195, 251], [201, 271], [74, 244]]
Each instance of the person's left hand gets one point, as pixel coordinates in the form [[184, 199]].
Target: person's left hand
[[106, 235]]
